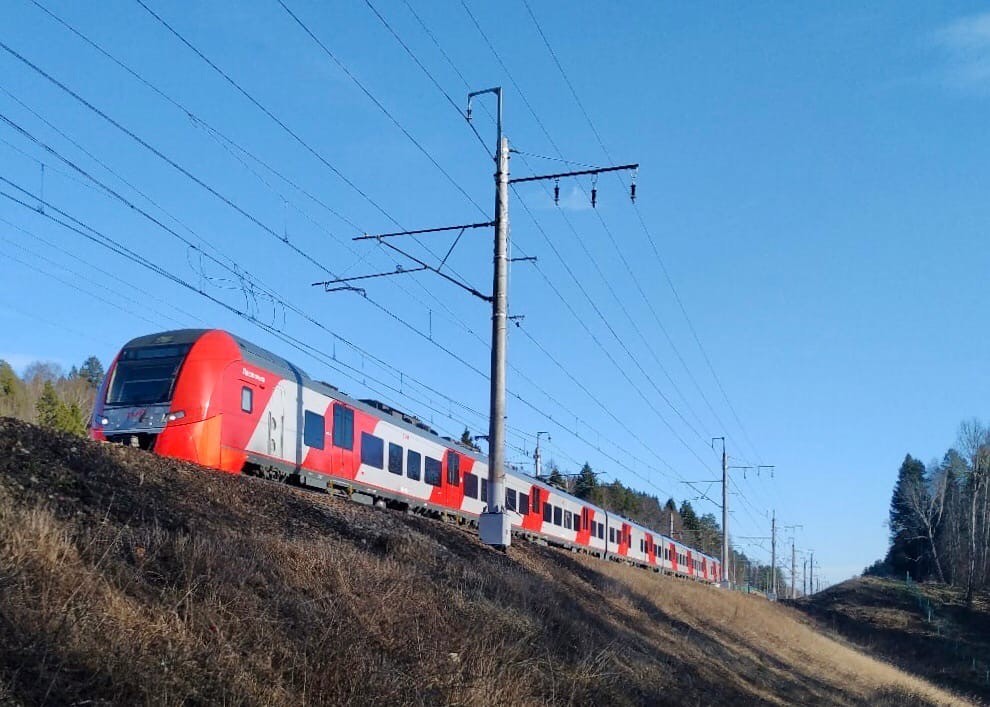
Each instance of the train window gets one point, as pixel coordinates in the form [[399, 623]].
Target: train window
[[536, 500], [510, 499], [394, 458], [414, 463], [484, 490], [642, 547], [611, 535], [372, 450], [247, 399], [577, 522], [343, 427], [471, 485], [453, 469], [433, 470], [567, 520], [558, 515], [314, 429], [601, 531], [547, 513], [523, 504]]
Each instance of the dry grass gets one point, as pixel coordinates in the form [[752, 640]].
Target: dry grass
[[884, 617], [129, 579]]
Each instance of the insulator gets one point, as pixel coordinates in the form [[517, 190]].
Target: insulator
[[632, 192], [594, 197], [556, 193]]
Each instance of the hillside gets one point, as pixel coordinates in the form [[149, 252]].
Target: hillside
[[131, 579], [927, 629]]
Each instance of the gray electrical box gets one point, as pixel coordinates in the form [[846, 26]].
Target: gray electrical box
[[496, 529]]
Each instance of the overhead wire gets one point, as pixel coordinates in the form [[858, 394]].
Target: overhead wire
[[270, 230], [605, 279], [591, 301], [653, 245], [646, 230], [242, 273]]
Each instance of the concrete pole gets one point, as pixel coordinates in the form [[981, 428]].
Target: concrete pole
[[725, 516], [495, 525], [811, 574], [773, 553], [793, 570]]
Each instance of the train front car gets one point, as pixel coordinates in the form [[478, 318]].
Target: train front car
[[162, 393]]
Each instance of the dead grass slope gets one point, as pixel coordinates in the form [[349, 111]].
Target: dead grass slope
[[927, 629], [130, 579]]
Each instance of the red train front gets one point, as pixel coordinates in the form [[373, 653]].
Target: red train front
[[169, 393]]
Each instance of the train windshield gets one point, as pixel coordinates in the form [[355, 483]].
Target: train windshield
[[145, 375]]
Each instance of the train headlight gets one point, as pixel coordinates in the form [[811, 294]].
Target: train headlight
[[177, 415], [104, 421]]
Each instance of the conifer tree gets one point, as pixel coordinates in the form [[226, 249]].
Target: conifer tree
[[585, 485], [48, 406], [907, 549]]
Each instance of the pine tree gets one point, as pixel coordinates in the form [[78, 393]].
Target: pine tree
[[71, 419], [586, 483], [907, 549], [91, 371], [48, 406], [556, 479]]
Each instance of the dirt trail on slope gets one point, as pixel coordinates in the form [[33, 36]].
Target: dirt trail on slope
[[126, 578]]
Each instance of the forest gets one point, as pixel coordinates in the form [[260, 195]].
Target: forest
[[47, 395], [940, 516]]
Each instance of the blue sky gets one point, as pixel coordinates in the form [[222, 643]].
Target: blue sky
[[811, 179]]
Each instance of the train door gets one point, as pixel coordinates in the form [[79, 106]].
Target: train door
[[276, 425]]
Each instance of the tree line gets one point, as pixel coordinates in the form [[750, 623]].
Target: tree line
[[940, 516], [47, 395]]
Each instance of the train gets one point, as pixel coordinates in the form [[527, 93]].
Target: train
[[210, 397]]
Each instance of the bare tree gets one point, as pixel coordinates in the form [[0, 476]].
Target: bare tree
[[926, 500], [974, 442]]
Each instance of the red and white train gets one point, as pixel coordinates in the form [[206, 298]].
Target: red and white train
[[210, 397]]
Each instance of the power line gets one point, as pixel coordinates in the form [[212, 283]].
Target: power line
[[92, 268], [242, 274], [591, 301], [102, 239], [413, 56], [234, 149], [276, 234], [649, 235], [554, 145]]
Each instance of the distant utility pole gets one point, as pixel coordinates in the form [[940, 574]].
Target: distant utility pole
[[792, 528], [726, 578], [793, 569], [773, 554], [537, 456], [811, 574], [804, 578]]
